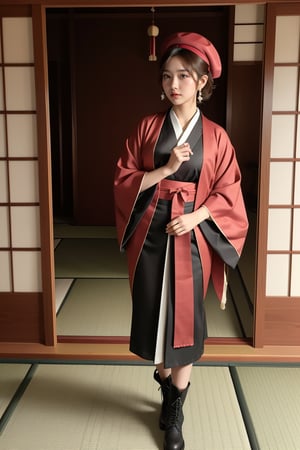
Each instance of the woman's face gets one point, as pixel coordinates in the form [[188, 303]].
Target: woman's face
[[179, 84]]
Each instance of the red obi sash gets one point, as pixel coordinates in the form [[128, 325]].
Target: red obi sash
[[180, 193]]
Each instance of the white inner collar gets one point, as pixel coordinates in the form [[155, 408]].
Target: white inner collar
[[180, 134]]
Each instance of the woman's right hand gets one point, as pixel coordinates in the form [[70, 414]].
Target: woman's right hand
[[179, 155]]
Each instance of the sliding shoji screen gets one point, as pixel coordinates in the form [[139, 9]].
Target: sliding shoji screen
[[283, 246], [278, 271], [26, 241], [19, 197]]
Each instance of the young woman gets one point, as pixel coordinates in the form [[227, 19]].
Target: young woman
[[181, 218]]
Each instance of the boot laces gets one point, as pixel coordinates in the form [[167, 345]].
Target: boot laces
[[174, 413], [163, 390]]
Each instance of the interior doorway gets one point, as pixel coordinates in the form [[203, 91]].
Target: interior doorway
[[100, 84]]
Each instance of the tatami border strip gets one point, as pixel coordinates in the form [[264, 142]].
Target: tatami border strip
[[66, 294], [244, 408], [17, 397]]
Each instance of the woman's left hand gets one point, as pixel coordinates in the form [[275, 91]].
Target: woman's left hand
[[185, 223], [181, 224]]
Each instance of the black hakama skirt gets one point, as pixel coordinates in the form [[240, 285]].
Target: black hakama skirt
[[147, 290]]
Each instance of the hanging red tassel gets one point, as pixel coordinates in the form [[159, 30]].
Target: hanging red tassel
[[153, 32]]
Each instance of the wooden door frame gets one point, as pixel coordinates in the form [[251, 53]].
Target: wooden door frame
[[54, 351], [267, 306]]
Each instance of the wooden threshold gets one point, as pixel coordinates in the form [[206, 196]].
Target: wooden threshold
[[113, 352], [72, 339]]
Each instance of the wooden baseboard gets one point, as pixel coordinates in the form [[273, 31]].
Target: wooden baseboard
[[112, 352], [21, 317]]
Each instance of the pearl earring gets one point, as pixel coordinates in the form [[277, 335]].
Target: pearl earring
[[162, 96], [199, 97]]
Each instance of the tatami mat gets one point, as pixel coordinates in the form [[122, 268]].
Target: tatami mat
[[272, 399], [62, 286], [213, 416], [241, 300], [56, 242], [103, 304], [116, 407], [221, 323], [75, 407], [64, 230], [11, 376], [102, 307], [78, 258], [96, 307]]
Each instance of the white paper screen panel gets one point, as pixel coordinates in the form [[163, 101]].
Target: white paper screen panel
[[20, 88], [247, 52], [280, 190], [4, 227], [1, 90], [17, 40], [297, 185], [282, 136], [249, 13], [279, 229], [296, 230], [25, 226], [24, 143], [23, 177], [277, 280], [2, 137], [248, 33], [5, 279], [285, 88], [295, 282], [298, 140], [3, 182], [287, 41], [27, 271]]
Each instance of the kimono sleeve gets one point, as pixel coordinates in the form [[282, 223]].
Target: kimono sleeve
[[130, 204], [227, 229]]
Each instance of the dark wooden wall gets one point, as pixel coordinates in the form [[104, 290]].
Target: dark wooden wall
[[245, 83], [101, 84]]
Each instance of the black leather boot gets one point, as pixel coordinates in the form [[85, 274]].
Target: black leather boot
[[165, 388], [173, 435]]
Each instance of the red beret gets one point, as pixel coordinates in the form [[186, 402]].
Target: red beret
[[197, 44]]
